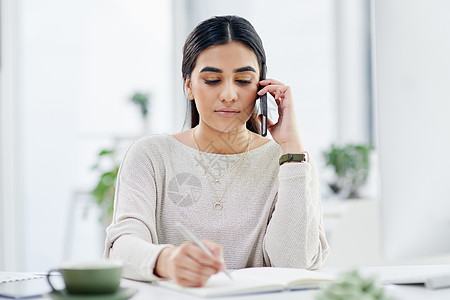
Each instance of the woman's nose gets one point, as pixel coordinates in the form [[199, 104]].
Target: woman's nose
[[228, 93]]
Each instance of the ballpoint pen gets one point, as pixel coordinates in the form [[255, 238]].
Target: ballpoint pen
[[190, 236]]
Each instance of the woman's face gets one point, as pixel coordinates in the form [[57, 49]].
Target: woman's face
[[224, 84]]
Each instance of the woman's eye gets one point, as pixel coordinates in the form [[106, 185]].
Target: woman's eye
[[243, 82], [212, 82]]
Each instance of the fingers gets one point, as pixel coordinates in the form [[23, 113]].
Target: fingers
[[198, 260], [215, 248], [277, 91], [191, 266], [281, 93], [276, 88], [270, 81], [192, 274], [284, 131], [217, 251]]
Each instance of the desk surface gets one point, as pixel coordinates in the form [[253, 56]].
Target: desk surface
[[399, 292], [147, 291]]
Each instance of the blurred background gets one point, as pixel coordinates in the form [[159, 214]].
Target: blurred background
[[81, 80]]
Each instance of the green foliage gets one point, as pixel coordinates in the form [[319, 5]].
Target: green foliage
[[108, 167], [351, 164], [103, 192], [352, 286], [142, 100]]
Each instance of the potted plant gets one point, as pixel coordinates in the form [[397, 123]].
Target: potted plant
[[353, 286], [351, 164], [103, 193], [107, 166]]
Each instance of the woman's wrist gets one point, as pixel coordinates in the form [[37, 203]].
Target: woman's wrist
[[292, 147], [161, 263]]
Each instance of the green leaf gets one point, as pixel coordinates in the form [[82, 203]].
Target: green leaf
[[352, 286], [105, 152], [143, 102], [351, 164]]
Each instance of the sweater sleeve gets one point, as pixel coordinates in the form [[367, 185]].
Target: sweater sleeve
[[132, 236], [295, 235]]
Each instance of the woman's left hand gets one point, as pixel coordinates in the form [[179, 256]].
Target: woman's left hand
[[285, 131]]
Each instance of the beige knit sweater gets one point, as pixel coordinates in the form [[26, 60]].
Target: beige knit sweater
[[271, 215]]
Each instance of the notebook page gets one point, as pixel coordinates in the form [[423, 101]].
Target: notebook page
[[283, 276], [219, 284], [15, 276]]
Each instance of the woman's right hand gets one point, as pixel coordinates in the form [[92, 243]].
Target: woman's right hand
[[188, 264]]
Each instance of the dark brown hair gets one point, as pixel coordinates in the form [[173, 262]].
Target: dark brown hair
[[219, 31]]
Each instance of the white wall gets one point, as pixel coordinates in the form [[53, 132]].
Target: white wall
[[353, 81], [79, 62], [413, 93], [11, 204], [410, 225]]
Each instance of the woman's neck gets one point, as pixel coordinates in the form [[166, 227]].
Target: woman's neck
[[219, 142]]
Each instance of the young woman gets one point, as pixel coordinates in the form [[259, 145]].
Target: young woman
[[253, 202]]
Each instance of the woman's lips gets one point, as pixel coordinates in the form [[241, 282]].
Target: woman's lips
[[227, 112]]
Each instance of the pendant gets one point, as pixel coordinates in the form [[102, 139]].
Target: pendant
[[218, 206]]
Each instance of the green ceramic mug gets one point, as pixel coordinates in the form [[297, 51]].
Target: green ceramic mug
[[100, 277]]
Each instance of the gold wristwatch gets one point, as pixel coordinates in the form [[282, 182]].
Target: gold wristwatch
[[299, 157]]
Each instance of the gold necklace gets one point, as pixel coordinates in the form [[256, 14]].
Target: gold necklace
[[217, 179], [218, 205]]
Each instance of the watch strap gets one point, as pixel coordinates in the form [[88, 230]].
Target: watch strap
[[297, 157]]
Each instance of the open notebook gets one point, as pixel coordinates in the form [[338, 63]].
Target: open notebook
[[255, 280], [22, 285]]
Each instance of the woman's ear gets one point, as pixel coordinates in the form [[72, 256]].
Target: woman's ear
[[188, 88]]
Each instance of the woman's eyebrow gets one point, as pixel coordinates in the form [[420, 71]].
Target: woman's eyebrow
[[245, 69], [239, 70], [211, 69]]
